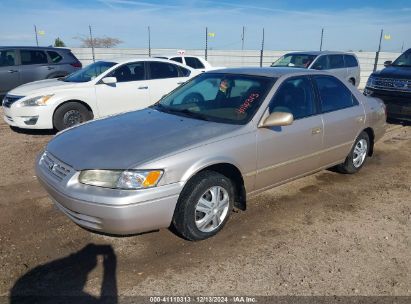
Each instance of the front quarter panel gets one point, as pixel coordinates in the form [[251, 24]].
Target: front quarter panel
[[238, 150]]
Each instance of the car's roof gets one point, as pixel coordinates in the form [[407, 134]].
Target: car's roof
[[267, 71], [178, 55], [34, 47], [316, 53], [127, 60]]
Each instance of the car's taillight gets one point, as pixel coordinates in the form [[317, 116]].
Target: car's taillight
[[76, 64]]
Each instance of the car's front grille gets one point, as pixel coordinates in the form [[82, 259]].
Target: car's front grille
[[403, 85], [8, 100], [56, 167]]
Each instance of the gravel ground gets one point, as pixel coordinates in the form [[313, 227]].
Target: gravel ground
[[326, 234]]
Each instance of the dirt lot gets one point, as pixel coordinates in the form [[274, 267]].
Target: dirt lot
[[326, 234]]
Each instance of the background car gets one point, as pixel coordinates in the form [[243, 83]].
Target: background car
[[344, 65], [393, 86], [195, 62], [100, 89], [19, 65], [187, 162]]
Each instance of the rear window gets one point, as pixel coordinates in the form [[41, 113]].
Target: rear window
[[195, 63], [33, 57], [161, 70], [336, 61], [54, 56], [350, 61]]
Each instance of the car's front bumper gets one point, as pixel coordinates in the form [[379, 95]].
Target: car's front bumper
[[111, 211], [398, 103], [29, 117]]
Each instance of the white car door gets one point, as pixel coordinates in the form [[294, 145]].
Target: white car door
[[131, 92], [164, 77]]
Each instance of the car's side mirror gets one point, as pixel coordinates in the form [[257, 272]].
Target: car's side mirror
[[387, 63], [277, 119], [109, 80]]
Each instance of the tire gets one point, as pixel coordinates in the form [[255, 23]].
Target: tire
[[70, 114], [357, 156], [195, 220]]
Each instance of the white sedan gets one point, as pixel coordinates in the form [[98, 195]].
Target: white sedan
[[100, 89], [194, 62]]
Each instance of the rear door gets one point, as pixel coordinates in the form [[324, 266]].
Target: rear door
[[163, 78], [34, 65], [9, 71], [337, 66], [343, 118], [286, 152], [131, 92]]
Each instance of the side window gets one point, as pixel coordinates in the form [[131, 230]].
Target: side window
[[295, 96], [129, 72], [160, 70], [195, 63], [7, 58], [321, 63], [350, 61], [54, 56], [334, 94], [177, 59], [33, 57], [184, 72], [336, 61]]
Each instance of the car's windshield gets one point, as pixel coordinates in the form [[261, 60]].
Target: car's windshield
[[218, 97], [403, 60], [294, 60], [89, 72]]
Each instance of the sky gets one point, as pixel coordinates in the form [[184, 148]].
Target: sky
[[289, 25]]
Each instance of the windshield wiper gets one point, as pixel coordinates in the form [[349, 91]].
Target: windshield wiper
[[185, 112]]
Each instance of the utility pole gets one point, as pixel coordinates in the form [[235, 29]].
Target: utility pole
[[242, 39], [378, 52], [92, 44], [322, 36], [262, 51], [149, 41], [206, 43], [35, 32]]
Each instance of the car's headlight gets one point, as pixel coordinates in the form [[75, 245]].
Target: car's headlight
[[119, 179], [370, 82], [36, 101]]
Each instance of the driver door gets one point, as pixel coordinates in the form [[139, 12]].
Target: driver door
[[131, 92], [290, 151]]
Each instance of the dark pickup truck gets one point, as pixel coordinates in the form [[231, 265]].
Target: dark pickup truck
[[393, 86]]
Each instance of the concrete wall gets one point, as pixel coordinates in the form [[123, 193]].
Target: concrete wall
[[227, 58]]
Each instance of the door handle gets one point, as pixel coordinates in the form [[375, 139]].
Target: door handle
[[50, 68], [143, 88], [316, 131], [12, 71]]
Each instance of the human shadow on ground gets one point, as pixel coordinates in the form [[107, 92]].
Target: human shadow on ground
[[63, 280]]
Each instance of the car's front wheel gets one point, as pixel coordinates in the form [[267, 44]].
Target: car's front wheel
[[70, 114], [204, 206], [357, 156]]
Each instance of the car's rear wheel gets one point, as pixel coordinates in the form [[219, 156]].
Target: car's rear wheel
[[70, 114], [204, 206], [357, 156]]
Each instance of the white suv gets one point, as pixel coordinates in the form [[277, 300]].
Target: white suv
[[344, 65]]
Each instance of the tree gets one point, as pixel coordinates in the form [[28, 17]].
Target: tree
[[59, 43], [104, 42]]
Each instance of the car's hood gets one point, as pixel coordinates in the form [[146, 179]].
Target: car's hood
[[131, 139], [43, 87], [394, 72]]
